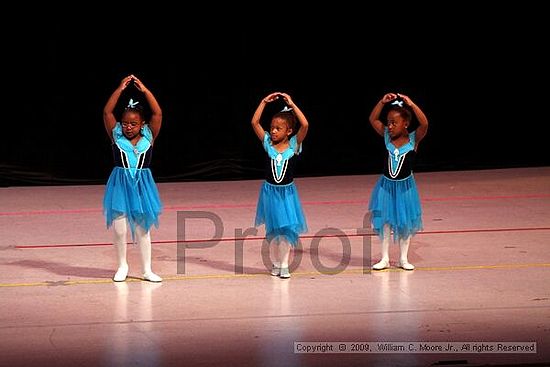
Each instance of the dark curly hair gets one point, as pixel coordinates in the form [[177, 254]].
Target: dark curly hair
[[404, 112], [288, 117], [135, 109]]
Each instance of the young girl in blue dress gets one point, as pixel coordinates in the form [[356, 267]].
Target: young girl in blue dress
[[131, 195], [279, 206], [395, 204]]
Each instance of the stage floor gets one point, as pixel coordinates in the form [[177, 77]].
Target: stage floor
[[482, 279]]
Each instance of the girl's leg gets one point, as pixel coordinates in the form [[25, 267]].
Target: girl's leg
[[119, 240], [385, 249], [284, 255], [404, 250], [144, 242], [275, 258]]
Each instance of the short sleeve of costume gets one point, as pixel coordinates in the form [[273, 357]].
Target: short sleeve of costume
[[267, 141], [412, 138], [117, 131], [147, 133], [297, 148], [386, 135]]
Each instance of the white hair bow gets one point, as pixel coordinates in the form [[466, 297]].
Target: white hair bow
[[286, 109], [399, 103], [132, 104]]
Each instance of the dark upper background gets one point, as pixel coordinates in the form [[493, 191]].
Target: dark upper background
[[478, 76]]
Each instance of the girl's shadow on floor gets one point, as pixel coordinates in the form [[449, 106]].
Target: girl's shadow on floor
[[63, 269], [225, 265]]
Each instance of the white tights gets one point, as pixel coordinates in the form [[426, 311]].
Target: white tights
[[404, 244], [143, 239], [279, 252]]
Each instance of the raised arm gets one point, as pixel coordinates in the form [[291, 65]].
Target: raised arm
[[374, 117], [422, 128], [256, 126], [156, 111], [109, 118], [304, 124]]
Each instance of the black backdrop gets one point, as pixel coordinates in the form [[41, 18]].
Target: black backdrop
[[478, 76]]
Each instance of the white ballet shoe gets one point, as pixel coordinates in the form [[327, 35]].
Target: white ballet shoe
[[121, 273], [404, 264], [381, 265], [152, 277], [275, 270], [284, 274]]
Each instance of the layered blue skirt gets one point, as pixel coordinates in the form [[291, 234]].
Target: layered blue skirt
[[397, 203], [135, 197], [279, 208]]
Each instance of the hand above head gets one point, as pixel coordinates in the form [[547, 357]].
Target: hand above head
[[389, 97], [271, 97], [126, 82], [138, 84], [286, 98], [406, 99]]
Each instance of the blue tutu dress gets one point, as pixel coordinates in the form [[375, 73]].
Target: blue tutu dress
[[279, 206], [394, 199], [131, 190]]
